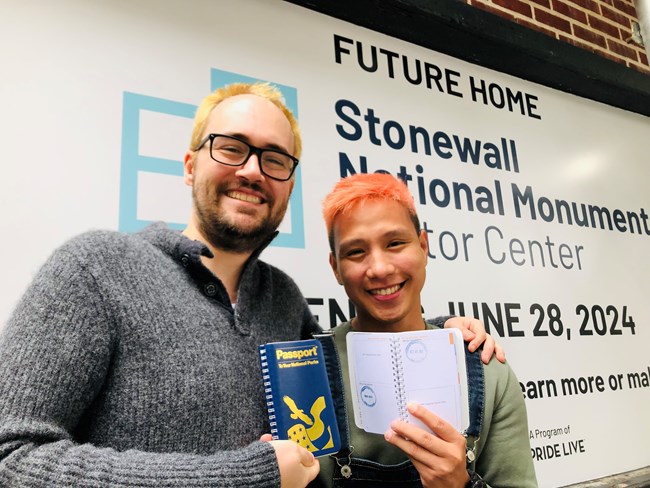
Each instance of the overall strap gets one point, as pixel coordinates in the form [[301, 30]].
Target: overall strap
[[334, 375], [476, 391]]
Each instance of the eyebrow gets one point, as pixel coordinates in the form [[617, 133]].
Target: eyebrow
[[272, 146], [391, 234]]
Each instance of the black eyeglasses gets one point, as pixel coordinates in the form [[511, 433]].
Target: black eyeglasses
[[232, 151]]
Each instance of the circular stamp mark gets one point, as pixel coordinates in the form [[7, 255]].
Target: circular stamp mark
[[368, 396], [416, 351]]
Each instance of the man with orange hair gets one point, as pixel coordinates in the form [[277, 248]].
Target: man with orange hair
[[379, 255]]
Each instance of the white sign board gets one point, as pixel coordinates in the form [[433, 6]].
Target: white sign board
[[536, 202]]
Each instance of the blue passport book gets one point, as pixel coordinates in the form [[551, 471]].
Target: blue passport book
[[298, 397]]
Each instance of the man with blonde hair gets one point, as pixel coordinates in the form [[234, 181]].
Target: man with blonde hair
[[131, 359]]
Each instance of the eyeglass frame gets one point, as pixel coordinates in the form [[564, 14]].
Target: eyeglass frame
[[251, 150]]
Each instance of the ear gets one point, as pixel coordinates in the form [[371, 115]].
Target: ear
[[424, 242], [188, 167], [335, 268]]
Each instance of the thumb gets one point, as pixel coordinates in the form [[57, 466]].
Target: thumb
[[306, 457]]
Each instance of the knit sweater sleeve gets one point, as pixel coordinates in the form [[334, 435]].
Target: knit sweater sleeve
[[55, 354]]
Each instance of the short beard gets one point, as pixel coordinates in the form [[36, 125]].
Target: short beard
[[226, 236]]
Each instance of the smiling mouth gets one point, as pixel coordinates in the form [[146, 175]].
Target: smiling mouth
[[386, 291], [244, 197]]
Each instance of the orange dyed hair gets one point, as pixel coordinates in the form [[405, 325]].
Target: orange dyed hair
[[364, 187]]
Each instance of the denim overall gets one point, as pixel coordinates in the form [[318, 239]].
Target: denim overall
[[354, 472]]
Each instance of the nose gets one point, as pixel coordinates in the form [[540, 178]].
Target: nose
[[379, 266], [250, 170]]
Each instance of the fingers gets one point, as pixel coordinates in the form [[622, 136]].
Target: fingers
[[440, 457], [480, 336], [439, 426], [416, 442], [297, 465], [488, 349], [312, 466], [468, 335], [500, 353], [307, 459], [266, 438], [462, 324], [472, 330], [474, 334]]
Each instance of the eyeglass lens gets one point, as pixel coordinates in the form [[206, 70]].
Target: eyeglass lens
[[233, 152]]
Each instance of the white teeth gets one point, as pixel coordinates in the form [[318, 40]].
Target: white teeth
[[244, 197], [385, 291]]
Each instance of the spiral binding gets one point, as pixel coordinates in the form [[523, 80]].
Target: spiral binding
[[268, 393], [398, 378]]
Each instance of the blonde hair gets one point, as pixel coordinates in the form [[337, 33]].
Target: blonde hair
[[264, 90]]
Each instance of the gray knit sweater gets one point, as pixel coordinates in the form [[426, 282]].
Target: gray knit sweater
[[124, 365]]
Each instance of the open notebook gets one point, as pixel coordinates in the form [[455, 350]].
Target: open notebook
[[389, 370]]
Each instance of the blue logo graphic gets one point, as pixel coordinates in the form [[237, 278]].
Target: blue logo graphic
[[134, 164]]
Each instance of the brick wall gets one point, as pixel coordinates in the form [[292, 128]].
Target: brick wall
[[603, 27]]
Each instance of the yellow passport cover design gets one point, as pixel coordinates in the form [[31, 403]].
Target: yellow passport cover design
[[297, 394]]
